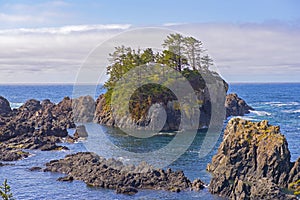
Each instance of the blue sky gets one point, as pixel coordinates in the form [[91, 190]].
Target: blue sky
[[250, 41], [148, 12]]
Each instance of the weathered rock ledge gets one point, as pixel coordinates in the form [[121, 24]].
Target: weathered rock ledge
[[113, 174], [40, 125], [253, 162]]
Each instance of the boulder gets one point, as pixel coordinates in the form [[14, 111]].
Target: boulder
[[4, 106], [80, 132], [235, 106], [31, 105]]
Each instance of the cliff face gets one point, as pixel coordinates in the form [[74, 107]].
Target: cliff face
[[209, 90], [252, 162], [234, 106]]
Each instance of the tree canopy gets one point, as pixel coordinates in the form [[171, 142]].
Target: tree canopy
[[184, 54]]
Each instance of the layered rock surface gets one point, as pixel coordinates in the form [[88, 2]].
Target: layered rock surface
[[252, 162], [113, 174], [40, 125], [234, 106]]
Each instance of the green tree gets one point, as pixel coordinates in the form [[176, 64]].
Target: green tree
[[193, 50], [174, 43], [206, 61], [5, 191]]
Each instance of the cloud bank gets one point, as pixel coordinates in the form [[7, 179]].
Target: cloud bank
[[242, 52]]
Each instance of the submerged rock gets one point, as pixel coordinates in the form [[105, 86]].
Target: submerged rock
[[252, 162], [126, 190], [113, 174]]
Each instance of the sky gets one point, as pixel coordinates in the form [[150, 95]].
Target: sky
[[49, 41]]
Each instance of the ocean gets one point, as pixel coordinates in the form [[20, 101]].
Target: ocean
[[278, 103]]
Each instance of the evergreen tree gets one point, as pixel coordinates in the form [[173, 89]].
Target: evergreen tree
[[174, 43], [5, 191], [193, 50], [206, 61]]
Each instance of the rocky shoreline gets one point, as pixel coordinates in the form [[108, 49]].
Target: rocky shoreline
[[253, 161], [35, 125], [97, 171], [41, 125]]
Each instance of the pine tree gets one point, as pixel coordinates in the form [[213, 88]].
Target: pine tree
[[5, 191]]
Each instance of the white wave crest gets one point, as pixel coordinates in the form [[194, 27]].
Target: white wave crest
[[260, 113], [291, 111], [281, 104], [15, 105], [245, 118]]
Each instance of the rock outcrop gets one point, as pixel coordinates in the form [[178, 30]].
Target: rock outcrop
[[235, 106], [4, 106], [113, 174], [176, 112], [35, 125], [252, 162]]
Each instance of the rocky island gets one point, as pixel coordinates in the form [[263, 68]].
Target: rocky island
[[253, 162]]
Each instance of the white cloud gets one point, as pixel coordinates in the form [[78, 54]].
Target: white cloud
[[249, 52], [67, 29], [245, 52]]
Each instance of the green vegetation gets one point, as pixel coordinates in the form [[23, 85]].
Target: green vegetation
[[182, 54], [295, 187], [5, 191]]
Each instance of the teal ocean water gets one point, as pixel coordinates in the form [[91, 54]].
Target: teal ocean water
[[278, 103]]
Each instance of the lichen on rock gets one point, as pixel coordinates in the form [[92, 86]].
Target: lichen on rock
[[252, 162]]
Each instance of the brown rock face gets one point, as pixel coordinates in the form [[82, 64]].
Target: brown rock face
[[252, 162], [235, 106]]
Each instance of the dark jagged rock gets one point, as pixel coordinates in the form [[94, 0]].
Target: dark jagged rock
[[80, 132], [252, 162], [113, 174], [35, 169], [35, 125], [83, 109], [295, 172], [7, 153], [4, 106], [66, 179], [294, 177], [31, 106], [126, 190], [235, 106], [6, 164]]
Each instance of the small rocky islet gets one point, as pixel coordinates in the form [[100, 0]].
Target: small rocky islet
[[253, 161], [97, 171]]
